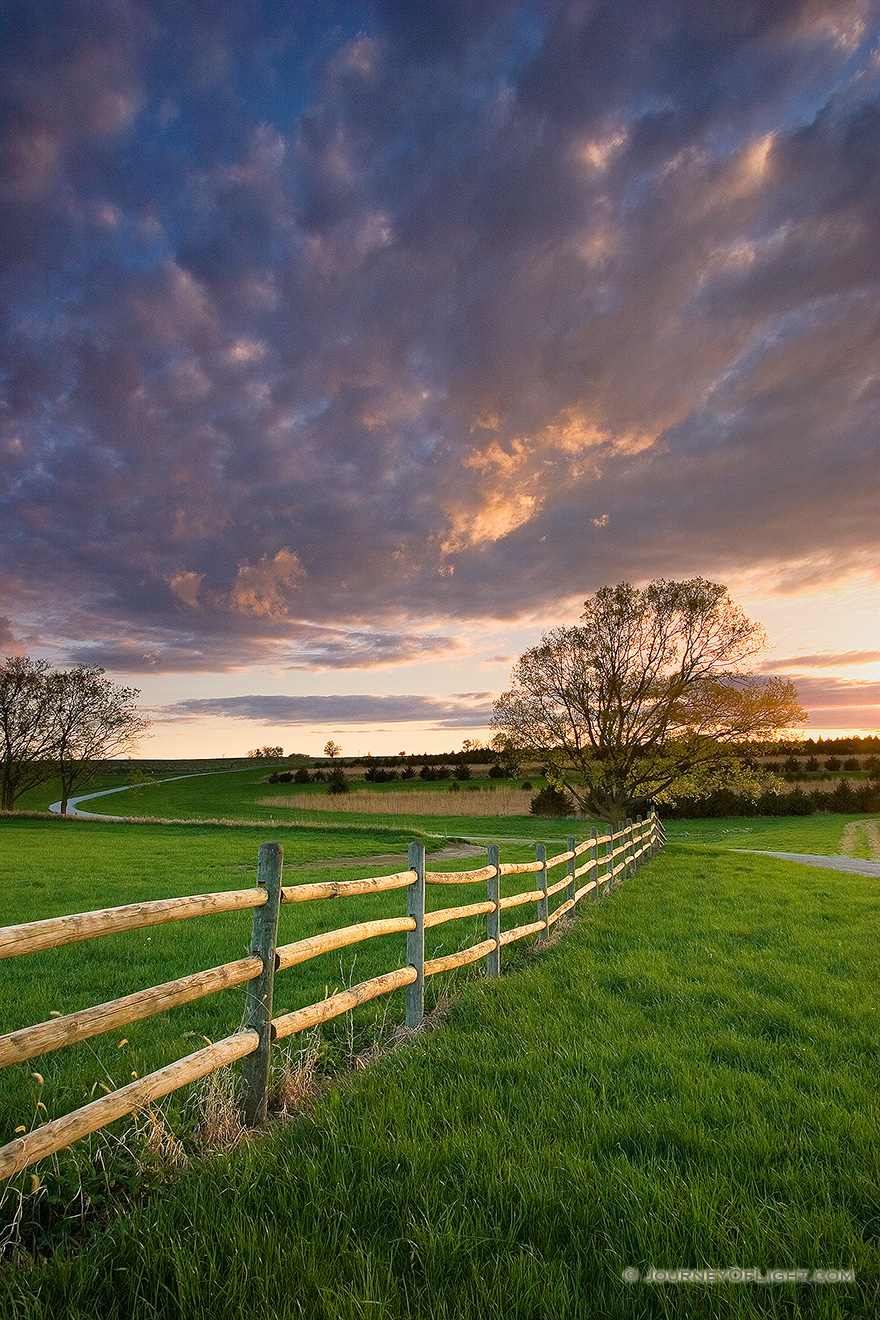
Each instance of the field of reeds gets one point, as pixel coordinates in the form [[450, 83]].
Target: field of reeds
[[469, 801]]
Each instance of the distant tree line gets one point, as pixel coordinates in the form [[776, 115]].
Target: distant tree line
[[845, 797], [60, 723], [823, 746], [793, 768]]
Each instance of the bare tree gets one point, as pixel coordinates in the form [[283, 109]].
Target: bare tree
[[26, 739], [647, 699], [91, 720]]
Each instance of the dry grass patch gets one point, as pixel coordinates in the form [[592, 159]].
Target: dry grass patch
[[438, 802]]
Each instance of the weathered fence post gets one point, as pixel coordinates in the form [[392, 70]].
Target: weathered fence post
[[543, 902], [415, 939], [572, 864], [609, 859], [493, 918], [258, 1016], [594, 862]]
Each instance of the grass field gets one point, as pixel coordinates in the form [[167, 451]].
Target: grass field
[[822, 833], [53, 867], [686, 1078]]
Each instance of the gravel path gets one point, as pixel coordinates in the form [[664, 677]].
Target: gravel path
[[855, 865]]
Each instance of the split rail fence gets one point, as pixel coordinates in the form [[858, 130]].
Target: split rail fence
[[587, 870]]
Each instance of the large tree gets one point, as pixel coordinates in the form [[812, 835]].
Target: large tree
[[649, 698], [26, 739], [91, 719], [64, 723]]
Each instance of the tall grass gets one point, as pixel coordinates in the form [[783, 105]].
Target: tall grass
[[469, 801]]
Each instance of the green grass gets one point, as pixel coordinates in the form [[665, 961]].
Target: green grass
[[820, 834], [687, 1078], [54, 867]]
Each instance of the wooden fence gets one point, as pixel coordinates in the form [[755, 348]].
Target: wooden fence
[[587, 870]]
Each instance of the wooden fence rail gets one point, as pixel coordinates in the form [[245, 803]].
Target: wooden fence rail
[[625, 850]]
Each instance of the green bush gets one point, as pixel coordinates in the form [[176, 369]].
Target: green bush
[[551, 801]]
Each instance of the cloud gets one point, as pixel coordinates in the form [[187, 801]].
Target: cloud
[[377, 319], [466, 711], [302, 648], [829, 692], [847, 717], [839, 703], [9, 643], [821, 660]]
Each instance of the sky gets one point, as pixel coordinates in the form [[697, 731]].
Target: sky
[[345, 347]]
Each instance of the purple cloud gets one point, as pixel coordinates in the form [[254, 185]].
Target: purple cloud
[[821, 660], [319, 325], [468, 711]]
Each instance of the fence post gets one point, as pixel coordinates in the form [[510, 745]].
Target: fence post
[[572, 863], [628, 850], [415, 939], [609, 858], [543, 909], [493, 918], [258, 1014], [594, 862]]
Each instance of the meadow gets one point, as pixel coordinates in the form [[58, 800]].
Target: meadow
[[685, 1077]]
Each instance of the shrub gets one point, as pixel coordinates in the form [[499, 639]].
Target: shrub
[[551, 801], [302, 776], [843, 798], [527, 783], [497, 772], [336, 781], [812, 763], [833, 763], [851, 763]]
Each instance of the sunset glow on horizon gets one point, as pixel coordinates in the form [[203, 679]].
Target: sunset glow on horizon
[[349, 346]]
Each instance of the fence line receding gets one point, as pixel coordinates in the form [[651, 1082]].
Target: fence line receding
[[624, 851]]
